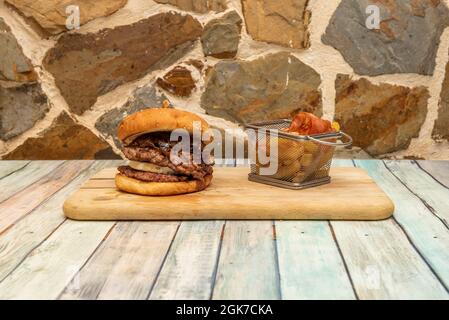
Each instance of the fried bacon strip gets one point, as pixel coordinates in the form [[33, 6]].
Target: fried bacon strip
[[308, 124]]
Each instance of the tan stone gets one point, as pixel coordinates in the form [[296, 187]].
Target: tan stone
[[283, 22], [64, 140], [381, 118], [441, 129], [86, 66], [51, 14], [199, 6], [177, 81], [196, 63]]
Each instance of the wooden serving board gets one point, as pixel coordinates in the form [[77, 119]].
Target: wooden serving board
[[352, 195]]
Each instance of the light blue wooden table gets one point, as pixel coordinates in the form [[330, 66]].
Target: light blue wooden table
[[45, 256]]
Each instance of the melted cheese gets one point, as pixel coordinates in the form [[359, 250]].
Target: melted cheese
[[149, 167]]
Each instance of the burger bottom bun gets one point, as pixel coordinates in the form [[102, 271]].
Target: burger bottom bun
[[135, 186]]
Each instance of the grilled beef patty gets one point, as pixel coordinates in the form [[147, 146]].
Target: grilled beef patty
[[150, 176], [156, 149]]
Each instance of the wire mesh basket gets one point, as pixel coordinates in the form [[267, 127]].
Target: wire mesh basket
[[301, 161]]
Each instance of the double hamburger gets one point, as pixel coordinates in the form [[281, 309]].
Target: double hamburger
[[152, 170]]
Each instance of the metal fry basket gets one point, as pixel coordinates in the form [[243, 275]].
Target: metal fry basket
[[302, 161]]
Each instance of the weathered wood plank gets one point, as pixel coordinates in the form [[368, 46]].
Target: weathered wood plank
[[20, 204], [9, 167], [310, 264], [188, 272], [127, 263], [424, 186], [437, 169], [48, 269], [247, 266], [426, 232], [382, 262], [17, 242], [25, 177], [224, 278]]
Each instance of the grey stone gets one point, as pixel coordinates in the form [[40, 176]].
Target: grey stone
[[221, 36], [14, 65], [143, 98], [272, 87], [283, 22], [407, 41], [21, 106], [380, 118]]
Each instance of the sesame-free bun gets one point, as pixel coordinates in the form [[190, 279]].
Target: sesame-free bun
[[158, 120], [135, 186]]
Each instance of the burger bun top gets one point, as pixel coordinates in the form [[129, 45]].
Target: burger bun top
[[158, 120]]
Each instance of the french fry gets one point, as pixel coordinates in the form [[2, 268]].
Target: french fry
[[322, 173], [299, 177], [310, 147], [286, 172], [306, 160], [289, 150]]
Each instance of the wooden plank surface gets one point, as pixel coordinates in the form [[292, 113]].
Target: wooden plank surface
[[381, 261], [43, 254], [247, 266], [9, 167], [189, 270], [352, 195], [126, 264], [432, 193], [309, 262], [48, 269], [17, 242], [23, 202], [437, 169], [427, 233], [28, 175], [232, 232], [190, 267], [383, 264]]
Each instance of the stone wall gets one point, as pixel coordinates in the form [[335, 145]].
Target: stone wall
[[63, 93]]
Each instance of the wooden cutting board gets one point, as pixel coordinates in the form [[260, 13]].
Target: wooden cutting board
[[352, 195]]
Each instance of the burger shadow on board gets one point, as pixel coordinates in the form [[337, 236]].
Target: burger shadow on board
[[145, 136]]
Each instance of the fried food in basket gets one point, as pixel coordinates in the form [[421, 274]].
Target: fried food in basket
[[286, 172], [299, 177], [301, 160], [288, 150]]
